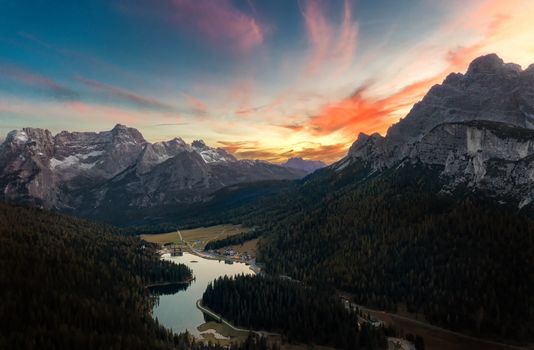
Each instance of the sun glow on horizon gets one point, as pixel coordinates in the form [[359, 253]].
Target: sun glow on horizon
[[301, 83]]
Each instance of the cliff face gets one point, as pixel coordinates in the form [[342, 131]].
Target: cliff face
[[103, 170], [490, 90], [477, 128]]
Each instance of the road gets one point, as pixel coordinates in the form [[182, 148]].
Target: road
[[218, 317], [222, 320], [426, 325]]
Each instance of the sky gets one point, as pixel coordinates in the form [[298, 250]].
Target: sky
[[262, 79]]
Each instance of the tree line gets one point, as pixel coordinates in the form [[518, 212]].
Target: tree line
[[70, 284], [461, 260], [301, 314]]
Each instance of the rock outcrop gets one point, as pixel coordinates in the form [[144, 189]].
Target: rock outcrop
[[89, 170], [478, 128]]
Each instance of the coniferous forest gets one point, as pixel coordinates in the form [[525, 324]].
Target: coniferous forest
[[464, 263], [70, 284], [301, 314]]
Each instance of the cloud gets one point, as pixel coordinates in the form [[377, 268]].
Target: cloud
[[199, 108], [251, 110], [494, 23], [305, 150], [166, 124], [360, 112], [235, 146], [328, 45], [221, 23], [127, 96], [39, 82], [293, 127]]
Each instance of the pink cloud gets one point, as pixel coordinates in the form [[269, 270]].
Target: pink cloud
[[199, 107], [327, 43], [221, 22], [128, 96], [27, 78]]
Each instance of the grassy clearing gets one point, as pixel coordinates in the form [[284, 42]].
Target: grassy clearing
[[249, 247], [197, 237], [224, 330]]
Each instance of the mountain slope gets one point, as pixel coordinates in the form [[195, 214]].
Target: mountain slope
[[67, 283], [393, 240], [88, 173], [426, 217]]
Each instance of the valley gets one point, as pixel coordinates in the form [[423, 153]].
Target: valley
[[426, 231]]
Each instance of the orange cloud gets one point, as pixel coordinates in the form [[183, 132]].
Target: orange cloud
[[313, 151], [494, 21], [361, 113]]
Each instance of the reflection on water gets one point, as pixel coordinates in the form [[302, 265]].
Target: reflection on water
[[168, 289], [176, 308]]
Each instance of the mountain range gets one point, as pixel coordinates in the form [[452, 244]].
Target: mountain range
[[435, 217], [83, 171], [476, 128]]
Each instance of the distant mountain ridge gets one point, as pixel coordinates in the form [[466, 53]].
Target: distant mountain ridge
[[308, 166], [95, 170]]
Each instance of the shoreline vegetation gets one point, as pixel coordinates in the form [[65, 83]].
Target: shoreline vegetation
[[170, 283], [440, 337], [72, 284], [298, 313]]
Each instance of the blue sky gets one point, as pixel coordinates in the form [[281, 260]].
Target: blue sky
[[264, 79]]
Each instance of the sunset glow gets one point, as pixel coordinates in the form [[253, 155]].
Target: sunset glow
[[262, 79]]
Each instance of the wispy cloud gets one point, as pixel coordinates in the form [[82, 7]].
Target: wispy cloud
[[329, 45], [48, 86], [198, 107], [123, 95], [221, 22]]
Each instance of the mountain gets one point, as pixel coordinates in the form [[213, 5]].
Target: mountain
[[435, 217], [476, 128], [212, 155], [89, 172], [309, 166], [490, 90]]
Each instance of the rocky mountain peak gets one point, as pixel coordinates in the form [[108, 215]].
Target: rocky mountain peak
[[476, 128], [210, 154], [490, 90], [488, 64], [199, 144], [123, 133]]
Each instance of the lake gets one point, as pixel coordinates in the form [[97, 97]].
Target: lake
[[177, 307]]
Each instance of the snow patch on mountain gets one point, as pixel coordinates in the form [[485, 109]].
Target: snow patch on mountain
[[210, 154]]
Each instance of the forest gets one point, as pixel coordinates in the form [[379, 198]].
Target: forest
[[70, 284], [301, 314], [463, 262], [394, 238]]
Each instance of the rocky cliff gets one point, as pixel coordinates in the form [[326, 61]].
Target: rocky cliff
[[91, 170], [476, 128]]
